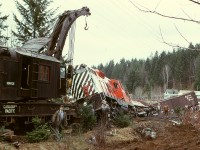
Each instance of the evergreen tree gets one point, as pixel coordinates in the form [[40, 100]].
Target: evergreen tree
[[133, 80], [181, 67], [109, 69], [123, 70], [197, 75], [142, 72], [100, 67], [116, 74], [156, 69], [36, 19], [197, 46], [3, 27], [191, 46], [171, 59], [163, 69], [148, 65]]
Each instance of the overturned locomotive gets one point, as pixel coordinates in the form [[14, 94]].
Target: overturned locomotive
[[92, 86]]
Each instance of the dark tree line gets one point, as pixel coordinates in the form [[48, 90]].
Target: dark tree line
[[179, 69]]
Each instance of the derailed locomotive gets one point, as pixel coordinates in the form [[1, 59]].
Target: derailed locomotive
[[92, 86], [33, 74]]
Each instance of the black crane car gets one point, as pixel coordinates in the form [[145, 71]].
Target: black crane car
[[33, 74]]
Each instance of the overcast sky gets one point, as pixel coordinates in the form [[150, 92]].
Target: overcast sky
[[118, 30]]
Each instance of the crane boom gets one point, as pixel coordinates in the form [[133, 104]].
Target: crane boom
[[61, 29]]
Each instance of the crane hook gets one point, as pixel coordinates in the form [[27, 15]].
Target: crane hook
[[86, 26]]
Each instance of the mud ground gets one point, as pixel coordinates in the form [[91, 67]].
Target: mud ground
[[168, 137]]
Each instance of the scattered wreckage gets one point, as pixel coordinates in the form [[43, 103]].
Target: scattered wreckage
[[184, 101]]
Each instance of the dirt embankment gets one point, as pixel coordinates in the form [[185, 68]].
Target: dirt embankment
[[168, 137]]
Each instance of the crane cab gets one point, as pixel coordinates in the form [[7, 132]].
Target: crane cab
[[26, 74]]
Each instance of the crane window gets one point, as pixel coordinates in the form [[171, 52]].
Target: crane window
[[44, 73], [62, 72]]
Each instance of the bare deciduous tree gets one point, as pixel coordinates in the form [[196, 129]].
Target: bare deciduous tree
[[189, 19]]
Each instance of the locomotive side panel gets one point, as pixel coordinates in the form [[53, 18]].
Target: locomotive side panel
[[8, 79]]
